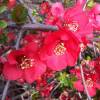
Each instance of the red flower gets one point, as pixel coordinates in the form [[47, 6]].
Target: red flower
[[61, 48], [34, 40], [23, 64], [11, 36], [91, 86]]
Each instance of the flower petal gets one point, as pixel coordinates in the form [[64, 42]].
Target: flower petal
[[11, 72], [57, 63], [78, 85]]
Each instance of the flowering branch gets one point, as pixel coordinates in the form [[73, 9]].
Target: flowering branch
[[27, 26]]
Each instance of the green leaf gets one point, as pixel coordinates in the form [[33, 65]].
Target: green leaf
[[19, 14], [3, 24], [2, 9]]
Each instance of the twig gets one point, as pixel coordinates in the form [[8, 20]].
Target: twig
[[55, 88], [96, 39], [83, 80], [20, 95], [5, 90]]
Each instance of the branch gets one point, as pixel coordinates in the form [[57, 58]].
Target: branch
[[41, 27], [29, 26]]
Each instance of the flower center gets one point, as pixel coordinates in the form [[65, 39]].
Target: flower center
[[73, 26], [24, 62], [59, 49], [89, 82]]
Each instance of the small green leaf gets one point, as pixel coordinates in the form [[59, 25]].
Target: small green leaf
[[3, 24], [3, 38], [34, 13], [90, 3], [88, 58], [2, 9]]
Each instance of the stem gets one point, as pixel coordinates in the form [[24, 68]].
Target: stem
[[83, 80], [85, 4], [79, 94], [94, 48], [5, 90]]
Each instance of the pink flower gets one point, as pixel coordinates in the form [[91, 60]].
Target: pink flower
[[57, 9], [52, 20], [95, 11], [77, 21], [96, 8], [23, 64]]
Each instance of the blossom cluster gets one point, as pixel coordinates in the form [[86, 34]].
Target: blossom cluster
[[56, 50]]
